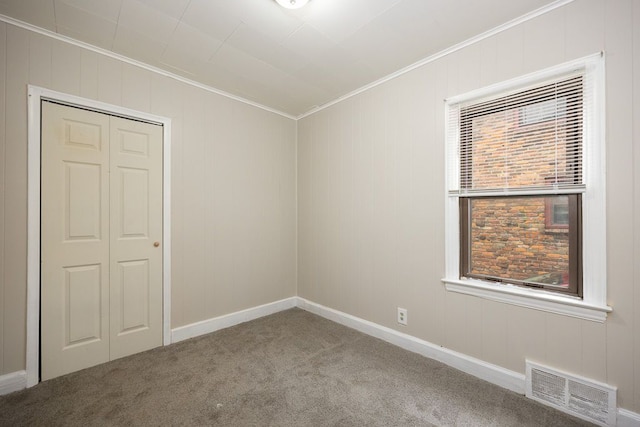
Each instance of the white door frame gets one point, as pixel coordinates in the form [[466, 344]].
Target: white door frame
[[36, 95]]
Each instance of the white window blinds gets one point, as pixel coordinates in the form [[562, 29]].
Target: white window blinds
[[520, 142]]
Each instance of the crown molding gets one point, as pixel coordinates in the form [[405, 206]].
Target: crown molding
[[475, 39], [140, 64], [482, 36]]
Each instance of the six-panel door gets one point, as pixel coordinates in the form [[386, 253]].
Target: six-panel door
[[101, 274]]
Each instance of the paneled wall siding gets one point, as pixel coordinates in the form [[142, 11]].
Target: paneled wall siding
[[368, 177], [371, 199], [233, 183]]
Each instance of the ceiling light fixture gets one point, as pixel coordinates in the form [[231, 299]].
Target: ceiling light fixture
[[292, 4]]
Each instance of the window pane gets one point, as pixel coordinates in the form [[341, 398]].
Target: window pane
[[543, 111], [560, 214], [528, 140], [506, 154], [510, 239]]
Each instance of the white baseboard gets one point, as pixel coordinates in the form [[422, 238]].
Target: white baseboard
[[211, 325], [628, 418], [13, 382], [492, 373], [476, 367], [486, 371]]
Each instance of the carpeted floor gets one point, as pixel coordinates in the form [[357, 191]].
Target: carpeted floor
[[289, 369]]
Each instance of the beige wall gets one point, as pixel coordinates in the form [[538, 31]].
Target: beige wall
[[370, 194], [233, 183], [371, 202]]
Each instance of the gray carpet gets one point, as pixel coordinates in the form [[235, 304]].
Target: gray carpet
[[289, 369]]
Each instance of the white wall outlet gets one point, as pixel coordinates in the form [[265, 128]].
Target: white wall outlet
[[402, 316]]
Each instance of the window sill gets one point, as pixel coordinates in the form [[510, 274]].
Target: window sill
[[530, 298]]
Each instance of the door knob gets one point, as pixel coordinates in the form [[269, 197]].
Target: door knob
[[156, 244]]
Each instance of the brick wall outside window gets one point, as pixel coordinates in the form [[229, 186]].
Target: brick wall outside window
[[509, 239]]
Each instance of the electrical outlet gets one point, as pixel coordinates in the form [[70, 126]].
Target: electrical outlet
[[402, 316]]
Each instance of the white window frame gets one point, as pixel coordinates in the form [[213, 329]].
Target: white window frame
[[593, 304]]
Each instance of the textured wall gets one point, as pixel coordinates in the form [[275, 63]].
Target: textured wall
[[233, 183], [371, 198]]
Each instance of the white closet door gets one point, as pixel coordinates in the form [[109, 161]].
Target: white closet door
[[136, 237], [75, 239], [101, 236]]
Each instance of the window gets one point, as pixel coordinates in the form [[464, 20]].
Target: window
[[503, 236], [541, 111], [505, 239], [526, 188], [556, 213]]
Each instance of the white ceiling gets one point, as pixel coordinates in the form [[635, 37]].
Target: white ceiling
[[287, 60]]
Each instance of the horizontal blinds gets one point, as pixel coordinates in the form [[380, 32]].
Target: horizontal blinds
[[526, 141]]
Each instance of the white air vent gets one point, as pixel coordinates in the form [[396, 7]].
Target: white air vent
[[583, 398]]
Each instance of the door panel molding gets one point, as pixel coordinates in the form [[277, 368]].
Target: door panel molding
[[74, 240], [35, 97], [135, 226]]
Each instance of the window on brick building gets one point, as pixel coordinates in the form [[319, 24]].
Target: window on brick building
[[556, 214], [520, 179]]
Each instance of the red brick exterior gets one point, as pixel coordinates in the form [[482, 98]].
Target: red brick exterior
[[525, 141], [509, 239]]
